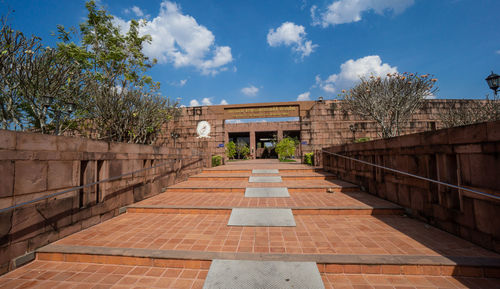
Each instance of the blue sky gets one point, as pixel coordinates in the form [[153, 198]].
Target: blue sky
[[215, 51]]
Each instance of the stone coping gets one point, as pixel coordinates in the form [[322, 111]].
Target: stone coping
[[389, 206], [318, 258]]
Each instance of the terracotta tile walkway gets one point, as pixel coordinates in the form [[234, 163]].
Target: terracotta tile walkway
[[375, 281], [334, 237], [305, 199], [320, 234], [65, 275]]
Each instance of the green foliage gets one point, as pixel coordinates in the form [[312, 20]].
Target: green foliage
[[285, 148], [39, 87], [309, 158], [242, 150], [362, 139], [216, 161], [230, 150], [125, 104]]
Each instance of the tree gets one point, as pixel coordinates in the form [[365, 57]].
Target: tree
[[230, 150], [39, 86], [125, 104], [470, 112], [285, 148], [390, 101]]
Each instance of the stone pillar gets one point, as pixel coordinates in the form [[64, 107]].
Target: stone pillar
[[280, 135], [252, 144]]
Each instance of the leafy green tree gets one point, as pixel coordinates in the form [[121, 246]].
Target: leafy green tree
[[230, 150], [125, 104], [285, 148], [39, 86]]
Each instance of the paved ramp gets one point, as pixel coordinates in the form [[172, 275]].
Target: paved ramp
[[244, 274], [261, 217], [254, 179], [266, 193], [255, 171]]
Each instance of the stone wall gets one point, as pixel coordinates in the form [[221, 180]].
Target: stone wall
[[35, 165], [321, 124], [467, 156]]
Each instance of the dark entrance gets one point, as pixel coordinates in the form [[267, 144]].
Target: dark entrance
[[240, 138], [265, 141]]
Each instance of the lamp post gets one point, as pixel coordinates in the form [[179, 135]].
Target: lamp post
[[493, 81], [353, 129]]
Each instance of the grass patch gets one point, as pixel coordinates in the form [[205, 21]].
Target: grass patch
[[288, 161]]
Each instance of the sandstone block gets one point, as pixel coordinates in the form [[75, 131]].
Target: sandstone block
[[31, 177], [71, 144], [7, 139], [36, 142], [493, 130], [60, 174], [7, 179]]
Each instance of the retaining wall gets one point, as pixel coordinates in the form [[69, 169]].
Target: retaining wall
[[466, 156], [35, 165]]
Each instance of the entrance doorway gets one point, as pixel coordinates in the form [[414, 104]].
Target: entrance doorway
[[265, 142], [240, 138]]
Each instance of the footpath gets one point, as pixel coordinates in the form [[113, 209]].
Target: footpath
[[260, 224]]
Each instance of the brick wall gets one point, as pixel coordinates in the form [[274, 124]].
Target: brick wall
[[322, 124], [35, 165], [466, 156]]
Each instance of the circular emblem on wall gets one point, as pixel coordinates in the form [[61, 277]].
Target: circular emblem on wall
[[203, 129]]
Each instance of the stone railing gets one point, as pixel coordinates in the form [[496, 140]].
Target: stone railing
[[34, 165], [467, 156]]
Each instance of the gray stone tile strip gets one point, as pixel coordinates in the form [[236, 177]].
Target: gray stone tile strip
[[255, 171], [257, 217], [244, 274], [318, 258], [266, 193], [254, 179]]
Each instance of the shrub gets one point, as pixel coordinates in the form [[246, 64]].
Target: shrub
[[362, 139], [230, 150], [309, 158], [285, 148], [216, 161], [242, 150]]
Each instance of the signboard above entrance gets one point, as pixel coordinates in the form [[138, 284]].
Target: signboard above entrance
[[261, 112]]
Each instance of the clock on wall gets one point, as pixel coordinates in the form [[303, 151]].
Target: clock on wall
[[203, 129]]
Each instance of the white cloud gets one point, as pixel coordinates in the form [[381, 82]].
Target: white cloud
[[304, 96], [137, 11], [352, 70], [250, 90], [289, 34], [347, 11], [206, 101], [498, 51], [179, 39]]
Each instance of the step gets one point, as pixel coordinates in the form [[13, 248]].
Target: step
[[481, 267], [297, 200], [395, 239], [296, 211], [215, 177]]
